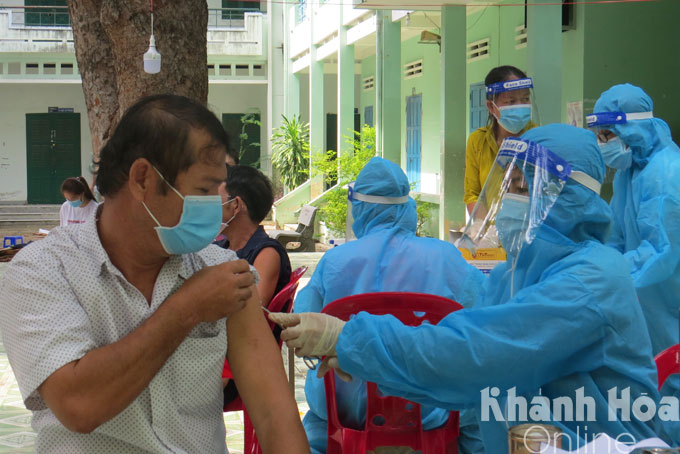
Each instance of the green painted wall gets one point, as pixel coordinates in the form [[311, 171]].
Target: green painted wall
[[498, 24], [634, 43], [367, 97], [429, 86], [572, 63]]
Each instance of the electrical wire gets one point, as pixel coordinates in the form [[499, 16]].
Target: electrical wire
[[151, 17], [433, 22], [406, 5], [478, 19]]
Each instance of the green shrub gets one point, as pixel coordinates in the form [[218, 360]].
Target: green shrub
[[424, 212], [343, 169]]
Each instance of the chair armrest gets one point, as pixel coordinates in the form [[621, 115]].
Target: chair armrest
[[279, 234]]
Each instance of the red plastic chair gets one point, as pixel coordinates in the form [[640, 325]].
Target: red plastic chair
[[667, 363], [297, 274], [390, 421], [281, 301]]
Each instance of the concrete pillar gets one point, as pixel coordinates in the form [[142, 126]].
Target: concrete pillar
[[345, 89], [388, 86], [275, 83], [293, 95], [291, 89], [453, 124], [316, 110], [544, 57]]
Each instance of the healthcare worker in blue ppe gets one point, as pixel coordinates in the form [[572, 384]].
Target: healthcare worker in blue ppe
[[646, 206], [558, 319], [387, 256]]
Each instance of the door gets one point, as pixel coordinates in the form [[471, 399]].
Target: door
[[52, 154], [414, 114], [478, 111], [368, 116]]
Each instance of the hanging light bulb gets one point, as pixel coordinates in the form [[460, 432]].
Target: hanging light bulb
[[152, 58]]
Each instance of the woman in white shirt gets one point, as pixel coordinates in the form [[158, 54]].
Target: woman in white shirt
[[80, 202]]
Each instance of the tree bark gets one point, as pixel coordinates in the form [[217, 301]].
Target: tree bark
[[111, 37]]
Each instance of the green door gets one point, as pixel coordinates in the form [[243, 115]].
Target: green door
[[52, 154]]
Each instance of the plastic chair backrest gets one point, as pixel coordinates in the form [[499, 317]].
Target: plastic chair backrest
[[282, 302], [667, 363], [297, 274], [277, 304], [307, 215], [390, 421]]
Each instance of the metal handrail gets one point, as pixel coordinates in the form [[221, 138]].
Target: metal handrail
[[40, 16], [229, 17], [58, 16]]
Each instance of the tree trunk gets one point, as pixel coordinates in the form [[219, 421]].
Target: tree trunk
[[111, 38]]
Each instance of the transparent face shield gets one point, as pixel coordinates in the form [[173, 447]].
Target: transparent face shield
[[513, 103], [615, 152], [524, 183], [357, 196], [601, 123]]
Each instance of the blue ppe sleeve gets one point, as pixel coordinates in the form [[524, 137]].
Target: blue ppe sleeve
[[447, 365], [310, 298], [657, 257], [616, 239]]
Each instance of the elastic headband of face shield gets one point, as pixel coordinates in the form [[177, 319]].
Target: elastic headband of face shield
[[616, 118], [514, 148], [379, 199], [509, 85]]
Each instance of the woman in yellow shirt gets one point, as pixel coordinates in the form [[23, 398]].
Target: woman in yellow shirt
[[509, 107]]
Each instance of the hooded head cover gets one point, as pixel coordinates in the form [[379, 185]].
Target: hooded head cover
[[578, 213], [644, 137], [381, 177]]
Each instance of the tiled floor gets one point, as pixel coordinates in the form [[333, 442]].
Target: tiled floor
[[17, 436]]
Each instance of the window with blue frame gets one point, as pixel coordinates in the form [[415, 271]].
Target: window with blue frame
[[302, 10], [478, 111], [414, 121]]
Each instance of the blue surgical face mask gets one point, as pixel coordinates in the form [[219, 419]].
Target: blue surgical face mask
[[514, 118], [198, 226], [511, 222], [616, 154], [75, 203]]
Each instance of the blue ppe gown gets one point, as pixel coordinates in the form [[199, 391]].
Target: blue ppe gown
[[572, 327], [646, 207], [387, 256]]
